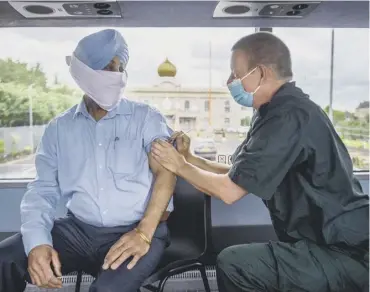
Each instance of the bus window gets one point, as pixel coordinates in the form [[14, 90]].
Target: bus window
[[183, 74]]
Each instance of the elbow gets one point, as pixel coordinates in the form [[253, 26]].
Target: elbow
[[232, 198], [230, 192], [229, 200], [226, 196], [165, 175]]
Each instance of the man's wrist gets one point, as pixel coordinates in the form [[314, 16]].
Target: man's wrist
[[189, 157], [143, 236], [147, 228], [183, 169]]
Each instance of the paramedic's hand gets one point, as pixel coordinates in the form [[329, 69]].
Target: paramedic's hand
[[42, 260], [182, 143], [167, 156], [129, 245]]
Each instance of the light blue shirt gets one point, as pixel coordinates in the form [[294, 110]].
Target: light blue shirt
[[100, 167]]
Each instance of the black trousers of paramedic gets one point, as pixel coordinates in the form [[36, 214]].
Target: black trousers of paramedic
[[83, 247], [300, 266]]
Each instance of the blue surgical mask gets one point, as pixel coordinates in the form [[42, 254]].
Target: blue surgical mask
[[238, 92]]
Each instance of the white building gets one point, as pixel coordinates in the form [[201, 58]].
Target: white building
[[186, 108]]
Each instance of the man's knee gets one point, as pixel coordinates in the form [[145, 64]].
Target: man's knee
[[13, 264], [125, 280], [249, 267], [112, 283], [234, 258], [225, 259], [12, 251]]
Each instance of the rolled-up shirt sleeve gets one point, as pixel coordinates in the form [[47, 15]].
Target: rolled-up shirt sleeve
[[155, 128], [38, 206], [273, 147]]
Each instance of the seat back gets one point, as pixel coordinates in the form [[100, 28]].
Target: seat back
[[191, 219]]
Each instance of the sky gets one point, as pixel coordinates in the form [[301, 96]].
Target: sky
[[190, 50]]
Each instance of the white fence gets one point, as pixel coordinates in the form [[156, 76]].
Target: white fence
[[18, 139]]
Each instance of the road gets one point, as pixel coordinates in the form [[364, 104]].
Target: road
[[21, 168], [24, 168]]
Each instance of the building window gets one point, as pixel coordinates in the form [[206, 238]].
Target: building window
[[227, 106], [206, 106], [227, 121], [187, 105], [245, 122]]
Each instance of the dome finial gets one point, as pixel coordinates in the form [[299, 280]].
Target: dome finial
[[167, 69]]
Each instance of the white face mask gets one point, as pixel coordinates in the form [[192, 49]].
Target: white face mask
[[103, 87]]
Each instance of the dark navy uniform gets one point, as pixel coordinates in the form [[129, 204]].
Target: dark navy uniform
[[294, 160]]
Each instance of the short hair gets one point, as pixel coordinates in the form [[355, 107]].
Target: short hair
[[264, 48]]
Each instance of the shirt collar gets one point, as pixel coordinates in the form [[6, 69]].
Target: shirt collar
[[283, 90], [123, 108]]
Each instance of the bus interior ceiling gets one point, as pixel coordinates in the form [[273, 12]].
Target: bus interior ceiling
[[337, 14]]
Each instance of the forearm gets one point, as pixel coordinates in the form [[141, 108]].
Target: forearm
[[163, 189], [210, 183], [211, 166]]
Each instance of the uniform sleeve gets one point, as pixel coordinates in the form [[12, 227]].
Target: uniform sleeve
[[38, 206], [271, 151], [155, 128]]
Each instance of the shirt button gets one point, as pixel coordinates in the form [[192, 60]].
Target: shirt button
[[102, 189], [105, 212], [100, 166], [100, 144]]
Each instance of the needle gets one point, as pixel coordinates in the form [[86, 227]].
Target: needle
[[171, 140]]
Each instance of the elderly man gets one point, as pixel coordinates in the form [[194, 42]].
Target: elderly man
[[94, 155], [294, 160]]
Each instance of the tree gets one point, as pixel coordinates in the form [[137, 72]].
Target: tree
[[15, 71], [338, 116], [245, 122], [16, 93], [364, 104]]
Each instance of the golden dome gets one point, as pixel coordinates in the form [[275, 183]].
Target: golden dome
[[167, 69]]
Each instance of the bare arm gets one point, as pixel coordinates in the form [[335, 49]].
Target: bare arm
[[164, 186], [136, 243], [211, 166], [183, 147], [217, 185], [213, 184], [132, 244]]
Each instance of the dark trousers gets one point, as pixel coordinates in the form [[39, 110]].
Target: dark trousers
[[283, 267], [83, 247]]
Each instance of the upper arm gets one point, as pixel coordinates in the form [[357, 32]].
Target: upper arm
[[46, 158], [155, 127], [264, 161], [46, 163], [154, 165]]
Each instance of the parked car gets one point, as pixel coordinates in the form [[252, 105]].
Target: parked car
[[206, 148]]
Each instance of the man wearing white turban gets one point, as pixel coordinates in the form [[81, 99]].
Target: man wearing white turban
[[96, 157]]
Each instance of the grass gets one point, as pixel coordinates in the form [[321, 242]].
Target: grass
[[356, 143]]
